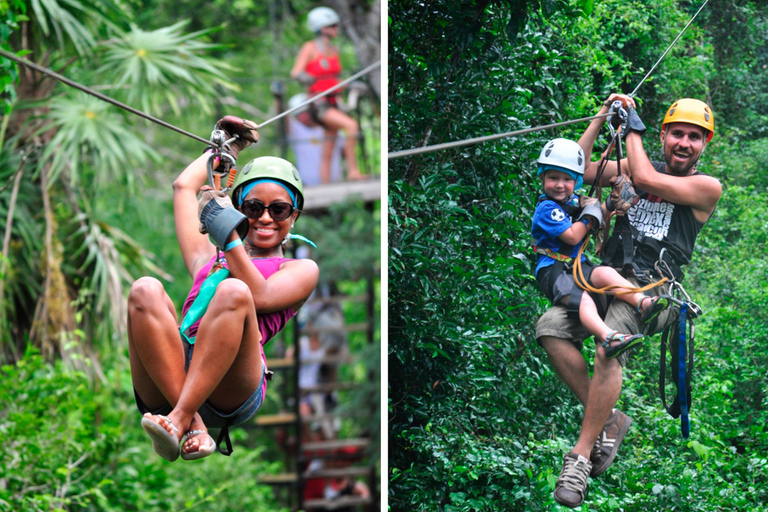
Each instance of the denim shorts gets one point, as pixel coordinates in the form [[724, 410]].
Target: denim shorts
[[212, 417]]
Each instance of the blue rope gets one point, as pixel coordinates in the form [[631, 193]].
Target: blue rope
[[682, 389]]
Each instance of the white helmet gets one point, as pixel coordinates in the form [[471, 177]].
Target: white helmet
[[565, 155], [297, 100], [562, 153], [321, 17]]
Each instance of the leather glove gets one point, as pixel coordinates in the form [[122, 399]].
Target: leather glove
[[305, 79], [622, 196], [218, 217], [585, 200], [243, 128], [595, 211]]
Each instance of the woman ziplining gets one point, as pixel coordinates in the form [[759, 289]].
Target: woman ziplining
[[318, 67], [214, 375], [181, 397]]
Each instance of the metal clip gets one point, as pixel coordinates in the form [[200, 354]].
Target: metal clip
[[226, 162], [694, 311], [616, 109], [221, 151]]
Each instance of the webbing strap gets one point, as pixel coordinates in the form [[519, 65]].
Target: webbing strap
[[681, 372], [554, 255], [202, 301], [224, 439]]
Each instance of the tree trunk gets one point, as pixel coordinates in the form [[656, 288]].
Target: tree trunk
[[362, 24]]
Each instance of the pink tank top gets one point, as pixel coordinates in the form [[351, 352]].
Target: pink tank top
[[269, 323]]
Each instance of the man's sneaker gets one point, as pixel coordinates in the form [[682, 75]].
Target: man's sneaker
[[572, 484], [607, 444]]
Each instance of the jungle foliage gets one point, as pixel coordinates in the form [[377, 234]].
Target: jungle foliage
[[85, 202], [478, 420]]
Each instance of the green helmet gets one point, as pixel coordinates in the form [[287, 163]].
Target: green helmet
[[269, 167]]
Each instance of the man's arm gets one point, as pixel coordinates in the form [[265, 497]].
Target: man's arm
[[699, 192]]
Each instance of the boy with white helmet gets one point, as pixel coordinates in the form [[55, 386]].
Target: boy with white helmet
[[561, 221]]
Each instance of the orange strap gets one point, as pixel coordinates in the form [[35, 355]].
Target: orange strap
[[581, 282]]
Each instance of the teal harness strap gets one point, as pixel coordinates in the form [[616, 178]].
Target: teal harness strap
[[202, 301]]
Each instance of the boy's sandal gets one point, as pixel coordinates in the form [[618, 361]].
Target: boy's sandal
[[627, 341], [659, 304]]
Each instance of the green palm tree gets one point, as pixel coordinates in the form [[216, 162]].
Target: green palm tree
[[63, 268]]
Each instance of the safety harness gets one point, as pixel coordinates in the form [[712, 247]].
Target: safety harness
[[564, 261], [680, 339]]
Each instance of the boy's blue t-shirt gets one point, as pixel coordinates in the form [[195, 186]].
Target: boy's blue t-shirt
[[549, 222]]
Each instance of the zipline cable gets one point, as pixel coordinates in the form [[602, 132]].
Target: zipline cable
[[467, 142], [165, 124], [632, 94], [323, 94], [102, 97]]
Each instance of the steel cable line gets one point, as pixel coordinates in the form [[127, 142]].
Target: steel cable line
[[103, 97], [468, 142], [632, 94]]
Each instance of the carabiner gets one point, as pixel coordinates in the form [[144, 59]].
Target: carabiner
[[226, 162], [220, 151]]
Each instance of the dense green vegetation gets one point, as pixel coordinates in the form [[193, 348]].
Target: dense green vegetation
[[478, 419], [85, 202]]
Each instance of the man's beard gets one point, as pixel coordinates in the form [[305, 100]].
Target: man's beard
[[678, 168]]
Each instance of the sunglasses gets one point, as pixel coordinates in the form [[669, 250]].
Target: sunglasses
[[254, 209]]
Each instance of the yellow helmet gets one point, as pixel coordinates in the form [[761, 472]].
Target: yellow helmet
[[688, 110]]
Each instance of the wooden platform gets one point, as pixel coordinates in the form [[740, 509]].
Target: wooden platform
[[333, 504], [292, 478], [322, 196]]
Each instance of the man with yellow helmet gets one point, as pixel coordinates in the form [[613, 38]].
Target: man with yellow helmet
[[669, 204]]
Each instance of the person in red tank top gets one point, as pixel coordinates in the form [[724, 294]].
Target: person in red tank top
[[318, 68], [185, 383]]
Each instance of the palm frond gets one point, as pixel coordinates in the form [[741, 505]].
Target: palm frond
[[89, 131], [72, 20], [162, 66]]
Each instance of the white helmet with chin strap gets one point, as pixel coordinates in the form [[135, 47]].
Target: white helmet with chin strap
[[321, 17], [565, 156]]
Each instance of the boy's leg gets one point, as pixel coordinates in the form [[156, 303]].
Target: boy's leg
[[603, 276]]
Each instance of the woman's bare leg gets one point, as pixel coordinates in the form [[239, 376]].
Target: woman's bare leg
[[155, 349], [154, 346], [334, 120], [226, 367], [329, 143]]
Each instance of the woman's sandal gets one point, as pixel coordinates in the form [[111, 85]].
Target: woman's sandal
[[627, 341], [164, 443], [659, 304], [199, 454]]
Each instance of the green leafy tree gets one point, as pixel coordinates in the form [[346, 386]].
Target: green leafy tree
[[75, 148], [478, 419]]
